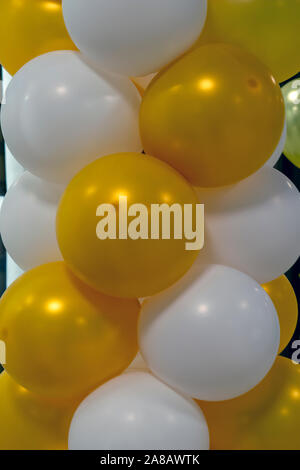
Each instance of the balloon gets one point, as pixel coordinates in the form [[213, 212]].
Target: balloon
[[27, 221], [123, 266], [291, 94], [62, 338], [134, 37], [268, 29], [214, 335], [30, 423], [284, 298], [138, 412], [216, 115], [30, 28], [267, 418], [61, 114], [253, 226]]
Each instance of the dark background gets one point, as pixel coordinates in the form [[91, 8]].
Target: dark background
[[284, 165]]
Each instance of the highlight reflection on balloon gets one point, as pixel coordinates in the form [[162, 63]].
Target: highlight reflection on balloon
[[30, 28], [285, 301], [30, 423], [63, 338], [216, 115], [266, 418], [291, 94], [267, 28]]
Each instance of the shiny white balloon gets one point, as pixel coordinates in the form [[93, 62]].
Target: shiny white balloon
[[214, 335], [27, 221], [61, 114], [135, 411], [253, 226], [134, 37]]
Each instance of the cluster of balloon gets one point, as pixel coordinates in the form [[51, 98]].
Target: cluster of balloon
[[94, 85]]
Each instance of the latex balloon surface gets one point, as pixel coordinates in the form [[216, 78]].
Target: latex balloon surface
[[137, 412], [214, 335], [62, 338], [30, 28], [99, 243], [253, 226], [30, 423], [266, 418], [291, 94], [216, 115], [285, 301], [27, 221], [134, 37], [268, 29], [60, 114]]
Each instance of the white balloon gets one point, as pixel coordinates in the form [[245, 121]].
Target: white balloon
[[253, 226], [61, 114], [134, 37], [280, 147], [214, 335], [27, 221], [135, 411]]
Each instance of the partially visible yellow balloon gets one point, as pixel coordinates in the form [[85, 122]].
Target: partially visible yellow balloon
[[216, 115], [267, 28], [284, 298], [27, 422], [63, 338], [126, 265], [30, 28], [266, 418]]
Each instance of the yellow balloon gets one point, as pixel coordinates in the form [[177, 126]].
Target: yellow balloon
[[266, 418], [123, 267], [216, 115], [284, 298], [27, 422], [63, 338], [267, 28], [30, 28]]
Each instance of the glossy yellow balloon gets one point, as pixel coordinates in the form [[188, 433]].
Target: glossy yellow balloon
[[30, 28], [62, 337], [123, 267], [267, 28], [216, 115], [284, 298], [27, 422], [266, 418]]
